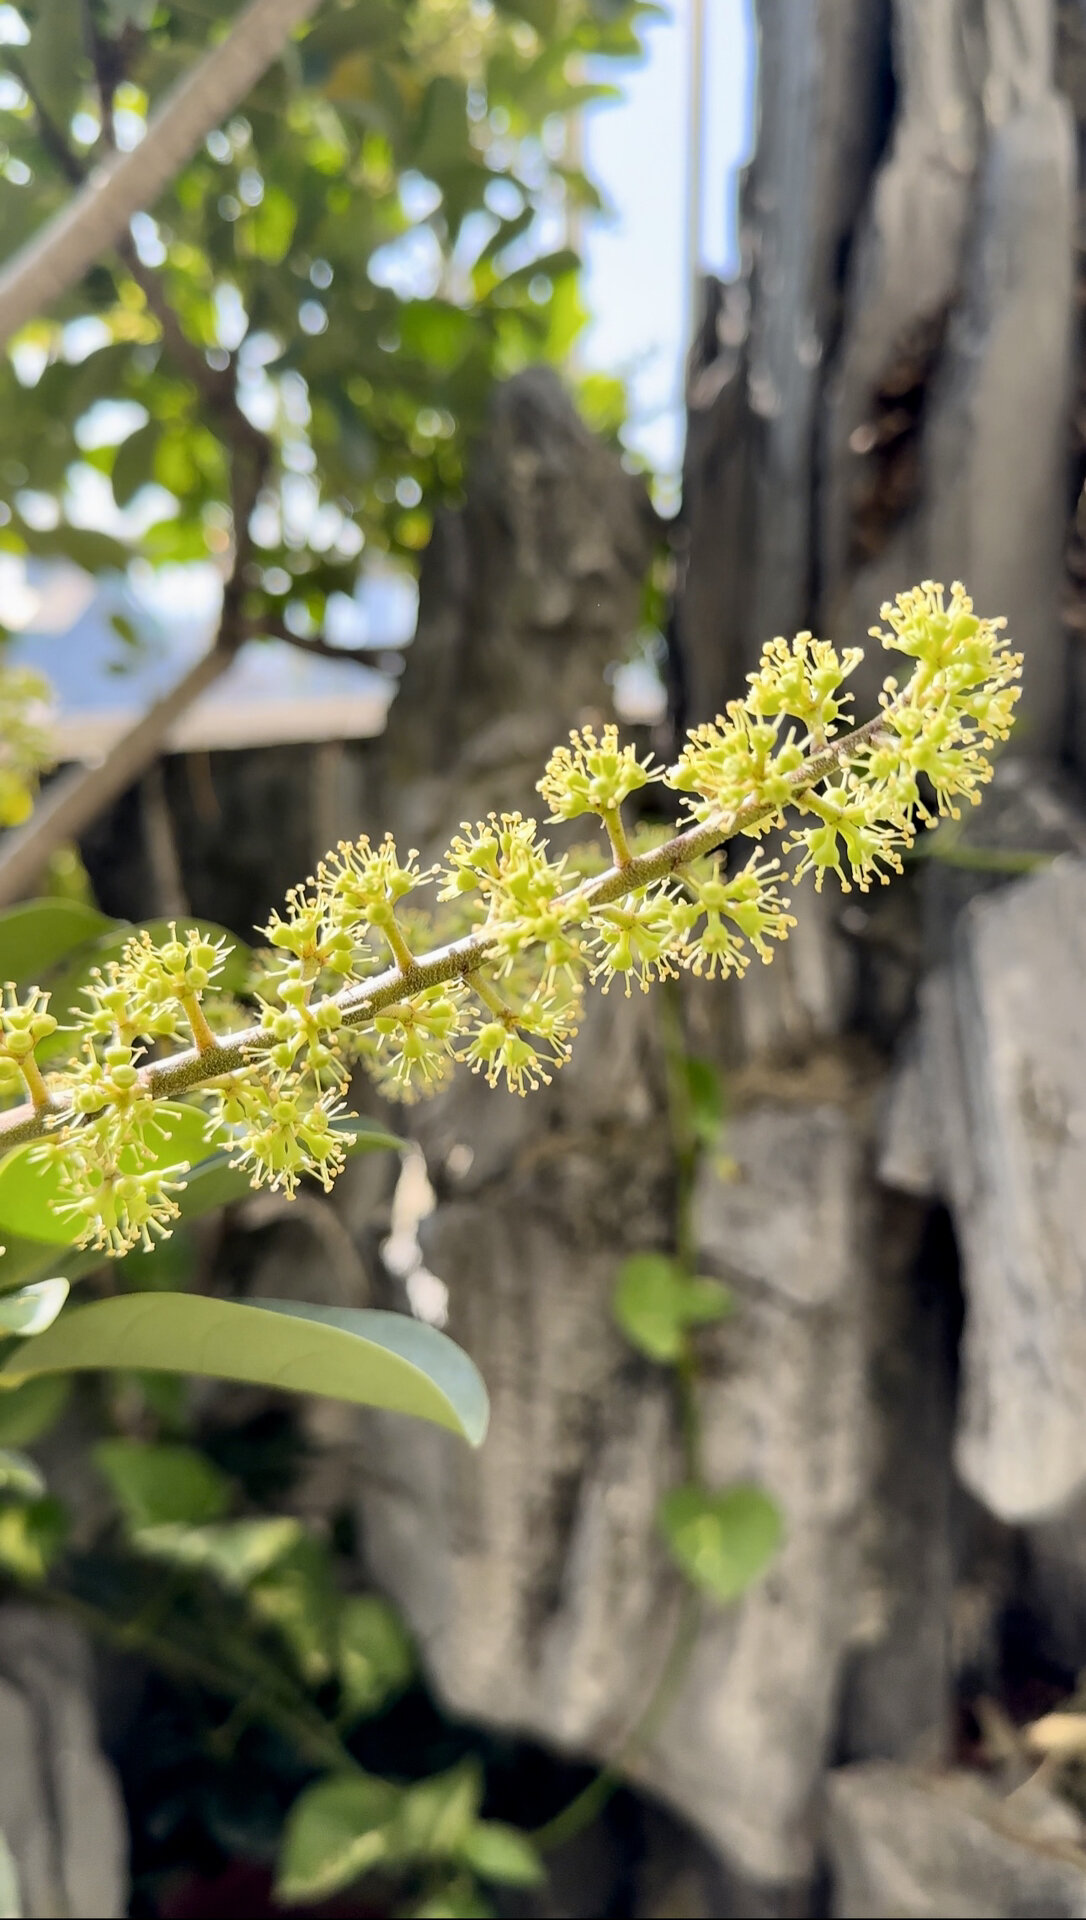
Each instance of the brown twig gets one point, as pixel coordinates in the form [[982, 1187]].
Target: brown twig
[[321, 649]]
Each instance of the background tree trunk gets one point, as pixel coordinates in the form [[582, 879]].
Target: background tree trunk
[[887, 392], [884, 395]]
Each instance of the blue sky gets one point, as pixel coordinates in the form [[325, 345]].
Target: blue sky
[[637, 150]]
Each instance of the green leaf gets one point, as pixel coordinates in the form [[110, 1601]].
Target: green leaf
[[297, 1597], [20, 1479], [375, 1658], [24, 1260], [52, 70], [34, 936], [436, 1816], [722, 1542], [459, 1899], [234, 1552], [437, 332], [703, 1300], [705, 1093], [265, 232], [162, 1485], [31, 1535], [33, 1308], [497, 1852], [29, 1190], [134, 464], [656, 1301], [28, 1411], [336, 1831], [362, 1355]]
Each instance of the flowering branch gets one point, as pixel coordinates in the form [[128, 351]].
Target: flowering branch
[[352, 976]]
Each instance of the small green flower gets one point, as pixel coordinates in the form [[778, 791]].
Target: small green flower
[[416, 1041], [744, 907], [639, 939], [593, 776], [24, 1023]]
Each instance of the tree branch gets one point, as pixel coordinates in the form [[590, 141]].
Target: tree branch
[[358, 1003], [321, 649], [67, 807], [97, 217]]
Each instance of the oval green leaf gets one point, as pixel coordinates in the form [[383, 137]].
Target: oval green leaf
[[29, 1190], [38, 934], [363, 1355]]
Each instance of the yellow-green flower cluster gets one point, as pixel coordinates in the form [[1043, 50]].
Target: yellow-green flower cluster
[[346, 982], [594, 776]]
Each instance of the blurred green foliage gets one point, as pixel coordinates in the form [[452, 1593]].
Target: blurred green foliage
[[344, 268]]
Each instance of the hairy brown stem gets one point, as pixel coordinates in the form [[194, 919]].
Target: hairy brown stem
[[358, 1003]]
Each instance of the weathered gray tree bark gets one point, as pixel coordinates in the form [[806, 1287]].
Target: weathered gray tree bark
[[884, 395]]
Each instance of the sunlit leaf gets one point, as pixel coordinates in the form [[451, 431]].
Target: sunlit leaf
[[436, 1816], [362, 1355], [497, 1852], [20, 1478], [32, 1533], [234, 1552], [32, 1308]]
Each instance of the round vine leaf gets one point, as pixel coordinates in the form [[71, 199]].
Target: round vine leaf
[[723, 1542], [364, 1355], [31, 1190], [656, 1301], [38, 934]]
